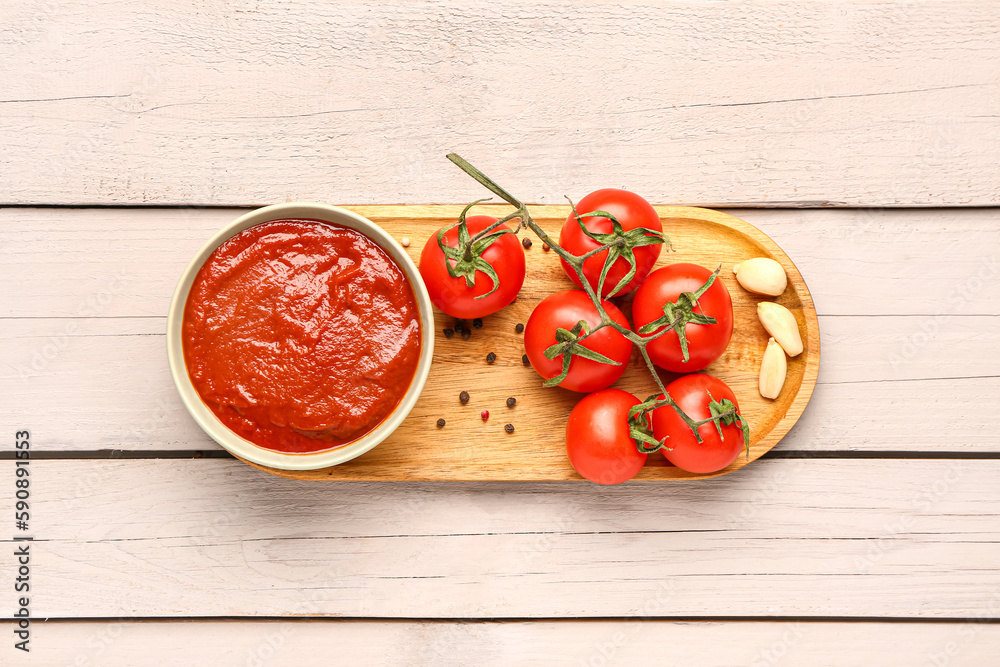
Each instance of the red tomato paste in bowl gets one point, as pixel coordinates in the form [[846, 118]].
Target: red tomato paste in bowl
[[301, 335]]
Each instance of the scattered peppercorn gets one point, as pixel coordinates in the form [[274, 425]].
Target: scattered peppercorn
[[485, 414], [546, 247], [464, 397], [440, 423], [526, 242], [509, 428], [459, 326], [448, 333], [511, 402], [491, 357], [518, 328], [524, 360], [406, 242], [477, 323], [466, 334]]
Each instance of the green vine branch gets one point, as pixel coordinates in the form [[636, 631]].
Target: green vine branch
[[619, 244]]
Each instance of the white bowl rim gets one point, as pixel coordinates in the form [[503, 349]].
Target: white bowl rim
[[204, 416]]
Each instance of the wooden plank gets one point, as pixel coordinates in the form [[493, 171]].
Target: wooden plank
[[126, 262], [586, 643], [939, 415], [913, 539], [103, 383], [84, 384], [764, 103]]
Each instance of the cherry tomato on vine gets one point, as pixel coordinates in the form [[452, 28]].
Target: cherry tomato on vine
[[452, 294], [633, 212], [556, 320], [694, 394], [704, 342], [598, 441]]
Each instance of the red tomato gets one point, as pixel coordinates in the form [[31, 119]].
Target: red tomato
[[452, 295], [563, 310], [598, 441], [706, 342], [691, 393], [632, 211]]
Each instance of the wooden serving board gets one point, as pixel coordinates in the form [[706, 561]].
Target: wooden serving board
[[469, 449]]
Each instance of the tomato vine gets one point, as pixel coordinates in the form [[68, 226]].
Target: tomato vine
[[619, 244]]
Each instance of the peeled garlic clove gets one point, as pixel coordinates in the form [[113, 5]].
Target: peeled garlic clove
[[761, 275], [773, 368], [781, 324]]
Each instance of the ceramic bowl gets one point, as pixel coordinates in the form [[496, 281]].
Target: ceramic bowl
[[204, 416]]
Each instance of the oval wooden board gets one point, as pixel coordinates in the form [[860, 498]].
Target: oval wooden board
[[468, 449]]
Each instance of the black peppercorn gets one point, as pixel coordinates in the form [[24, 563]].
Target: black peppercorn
[[440, 423], [518, 328], [491, 357], [509, 428], [477, 323], [448, 333], [526, 242], [464, 397], [524, 360], [511, 402], [466, 334]]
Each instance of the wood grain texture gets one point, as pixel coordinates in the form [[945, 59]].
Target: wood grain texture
[[913, 539], [289, 643], [761, 103]]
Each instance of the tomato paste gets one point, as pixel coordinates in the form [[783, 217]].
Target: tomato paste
[[301, 335]]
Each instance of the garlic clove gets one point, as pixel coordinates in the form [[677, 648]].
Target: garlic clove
[[761, 275], [781, 324], [773, 368]]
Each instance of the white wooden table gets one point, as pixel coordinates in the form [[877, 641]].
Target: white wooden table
[[863, 137]]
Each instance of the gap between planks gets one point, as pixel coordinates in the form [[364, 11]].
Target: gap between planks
[[134, 454], [989, 620]]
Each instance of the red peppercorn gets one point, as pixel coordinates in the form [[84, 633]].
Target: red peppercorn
[[485, 414]]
